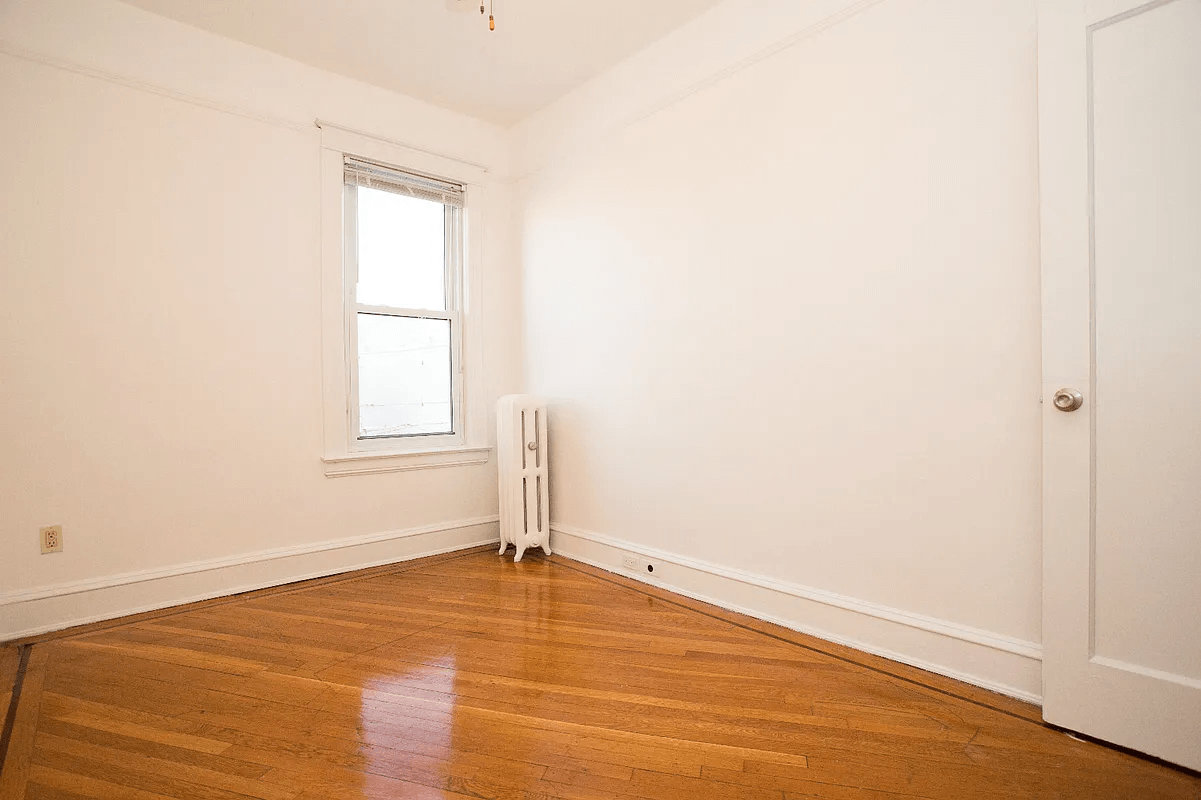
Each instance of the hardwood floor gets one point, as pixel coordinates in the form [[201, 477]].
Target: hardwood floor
[[468, 676]]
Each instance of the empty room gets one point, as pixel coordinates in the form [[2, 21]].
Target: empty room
[[600, 399]]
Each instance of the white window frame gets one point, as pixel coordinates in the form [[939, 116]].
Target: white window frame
[[452, 290], [345, 453]]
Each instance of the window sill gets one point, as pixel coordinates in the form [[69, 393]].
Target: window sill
[[370, 463]]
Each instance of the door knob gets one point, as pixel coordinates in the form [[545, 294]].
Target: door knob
[[1068, 399], [533, 445]]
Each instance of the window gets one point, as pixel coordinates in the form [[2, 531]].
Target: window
[[403, 234], [401, 372]]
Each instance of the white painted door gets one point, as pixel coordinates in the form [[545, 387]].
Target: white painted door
[[1120, 185]]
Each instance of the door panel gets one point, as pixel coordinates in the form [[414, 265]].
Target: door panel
[[1146, 121], [1120, 185]]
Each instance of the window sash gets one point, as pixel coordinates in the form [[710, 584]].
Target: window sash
[[452, 274], [372, 442]]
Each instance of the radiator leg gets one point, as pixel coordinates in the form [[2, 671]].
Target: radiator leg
[[503, 547], [520, 553]]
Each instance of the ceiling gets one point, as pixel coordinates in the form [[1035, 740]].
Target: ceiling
[[441, 51]]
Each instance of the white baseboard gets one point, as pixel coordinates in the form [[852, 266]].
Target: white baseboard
[[992, 661], [29, 612]]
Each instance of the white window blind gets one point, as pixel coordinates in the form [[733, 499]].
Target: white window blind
[[360, 172]]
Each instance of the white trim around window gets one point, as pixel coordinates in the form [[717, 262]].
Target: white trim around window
[[344, 452]]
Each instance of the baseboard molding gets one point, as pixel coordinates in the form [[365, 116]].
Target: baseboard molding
[[29, 612], [992, 661]]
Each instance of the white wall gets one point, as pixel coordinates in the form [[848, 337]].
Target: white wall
[[781, 282], [782, 287], [160, 340]]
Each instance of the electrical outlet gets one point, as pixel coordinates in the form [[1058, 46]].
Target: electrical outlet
[[51, 538], [636, 564]]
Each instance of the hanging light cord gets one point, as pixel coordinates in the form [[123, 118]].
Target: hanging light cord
[[491, 18]]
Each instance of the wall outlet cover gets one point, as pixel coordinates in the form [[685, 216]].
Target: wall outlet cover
[[637, 564], [51, 538]]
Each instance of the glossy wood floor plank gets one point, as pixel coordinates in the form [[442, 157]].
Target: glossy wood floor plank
[[473, 677]]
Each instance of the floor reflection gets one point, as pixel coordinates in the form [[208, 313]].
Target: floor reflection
[[439, 708], [475, 677]]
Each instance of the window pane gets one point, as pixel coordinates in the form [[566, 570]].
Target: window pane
[[402, 251], [404, 376]]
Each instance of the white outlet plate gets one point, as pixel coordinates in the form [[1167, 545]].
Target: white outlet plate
[[51, 539]]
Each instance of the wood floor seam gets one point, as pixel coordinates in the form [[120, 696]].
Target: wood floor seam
[[10, 714]]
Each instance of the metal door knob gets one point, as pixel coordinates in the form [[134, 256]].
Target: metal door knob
[[1068, 399], [533, 445]]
